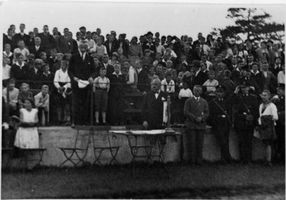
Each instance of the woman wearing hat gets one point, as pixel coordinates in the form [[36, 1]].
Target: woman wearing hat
[[267, 120]]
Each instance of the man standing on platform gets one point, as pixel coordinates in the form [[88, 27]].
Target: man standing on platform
[[81, 72], [196, 110], [245, 118], [154, 107], [220, 120]]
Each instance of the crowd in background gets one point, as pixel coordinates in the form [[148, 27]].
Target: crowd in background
[[38, 67]]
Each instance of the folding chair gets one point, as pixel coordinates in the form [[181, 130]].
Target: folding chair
[[76, 154], [110, 146]]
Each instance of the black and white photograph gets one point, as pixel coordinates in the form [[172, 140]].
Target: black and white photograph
[[142, 100]]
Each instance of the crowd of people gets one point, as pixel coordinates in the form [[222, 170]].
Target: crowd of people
[[222, 82]]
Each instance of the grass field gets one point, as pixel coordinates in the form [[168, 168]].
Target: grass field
[[254, 181]]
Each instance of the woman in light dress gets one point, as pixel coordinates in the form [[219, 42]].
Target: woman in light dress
[[267, 117], [27, 136]]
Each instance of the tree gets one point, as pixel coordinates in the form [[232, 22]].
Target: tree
[[252, 22]]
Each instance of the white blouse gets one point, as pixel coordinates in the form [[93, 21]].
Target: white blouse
[[271, 109]]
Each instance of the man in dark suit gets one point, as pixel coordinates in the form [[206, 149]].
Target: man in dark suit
[[35, 75], [220, 120], [143, 79], [111, 45], [153, 104], [19, 70], [81, 72], [196, 110], [245, 106], [48, 40], [22, 35], [109, 68], [200, 77], [37, 48]]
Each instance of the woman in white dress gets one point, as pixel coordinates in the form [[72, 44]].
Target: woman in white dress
[[27, 136], [267, 117]]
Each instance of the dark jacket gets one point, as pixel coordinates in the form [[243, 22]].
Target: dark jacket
[[194, 109], [220, 113], [246, 111], [152, 109], [143, 81], [20, 74], [82, 69], [33, 50]]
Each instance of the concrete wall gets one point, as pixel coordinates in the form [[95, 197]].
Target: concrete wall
[[54, 137]]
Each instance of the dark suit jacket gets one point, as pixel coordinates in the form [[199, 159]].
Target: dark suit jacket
[[18, 73], [48, 41], [143, 81], [114, 47], [82, 69], [220, 114], [200, 78], [24, 37], [152, 109], [35, 52], [109, 70], [35, 78], [194, 109]]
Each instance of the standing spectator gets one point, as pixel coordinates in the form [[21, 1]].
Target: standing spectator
[[99, 48], [279, 101], [109, 68], [269, 80], [115, 97], [8, 39], [22, 49], [27, 135], [132, 78], [245, 114], [196, 111], [111, 45], [81, 70], [35, 74], [267, 120], [12, 99], [153, 106], [135, 50], [47, 39], [211, 84], [277, 66], [184, 94], [101, 88], [42, 103], [168, 84], [31, 40], [200, 77], [257, 77], [62, 83], [22, 35], [220, 120]]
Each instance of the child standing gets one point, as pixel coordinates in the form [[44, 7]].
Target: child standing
[[101, 89], [27, 134], [42, 102]]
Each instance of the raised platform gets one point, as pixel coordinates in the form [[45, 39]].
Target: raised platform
[[54, 137]]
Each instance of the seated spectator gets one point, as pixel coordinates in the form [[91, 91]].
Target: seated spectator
[[12, 99], [44, 57], [42, 103], [22, 49], [25, 94], [62, 83], [101, 88], [132, 75], [47, 76], [142, 75], [35, 74], [135, 50], [99, 48], [147, 58], [281, 76], [8, 53], [168, 84], [184, 94], [37, 48], [211, 84], [19, 70], [6, 68]]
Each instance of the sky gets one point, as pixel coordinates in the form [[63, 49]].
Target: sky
[[131, 18]]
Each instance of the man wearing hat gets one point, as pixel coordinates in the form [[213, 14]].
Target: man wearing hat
[[220, 120], [279, 101], [81, 72], [245, 118]]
